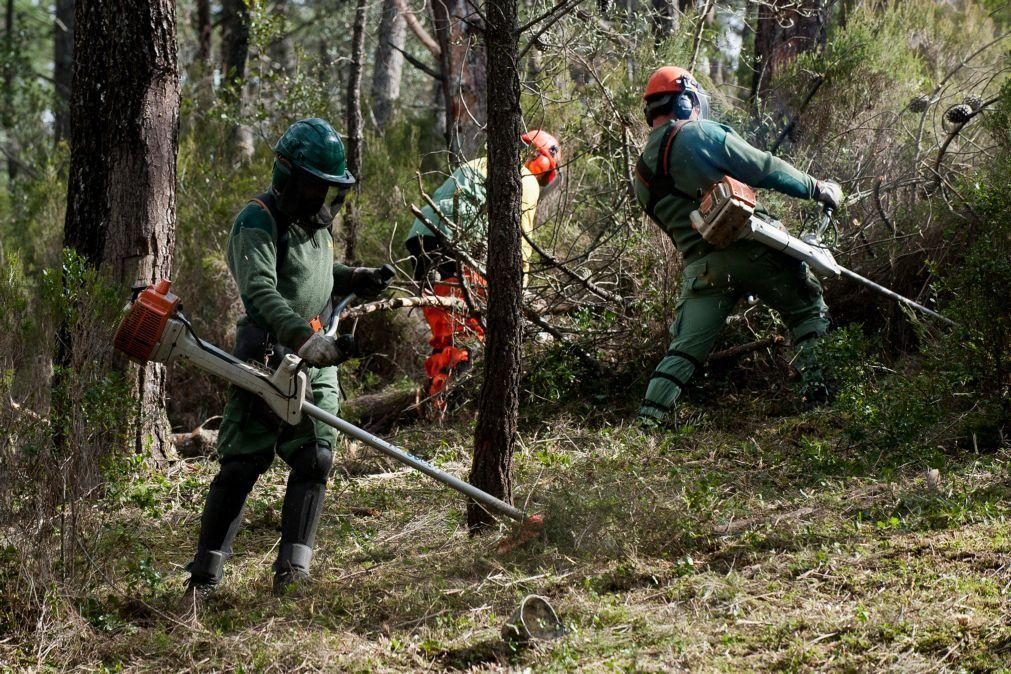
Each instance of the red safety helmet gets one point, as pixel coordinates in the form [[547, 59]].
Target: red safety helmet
[[672, 83], [547, 154]]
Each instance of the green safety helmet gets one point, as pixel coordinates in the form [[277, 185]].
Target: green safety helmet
[[313, 146]]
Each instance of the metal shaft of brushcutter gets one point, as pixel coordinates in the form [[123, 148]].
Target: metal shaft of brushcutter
[[396, 453], [283, 388], [400, 455], [820, 258]]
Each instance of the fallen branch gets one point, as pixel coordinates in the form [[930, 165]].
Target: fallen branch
[[750, 347], [585, 282], [454, 303]]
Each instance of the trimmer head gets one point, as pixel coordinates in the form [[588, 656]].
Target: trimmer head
[[141, 329], [529, 529]]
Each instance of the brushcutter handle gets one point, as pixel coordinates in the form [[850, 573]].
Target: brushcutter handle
[[386, 273], [826, 220]]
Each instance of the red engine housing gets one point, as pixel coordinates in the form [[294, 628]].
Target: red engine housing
[[141, 329]]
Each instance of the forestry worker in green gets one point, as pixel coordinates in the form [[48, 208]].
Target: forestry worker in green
[[281, 253], [685, 155]]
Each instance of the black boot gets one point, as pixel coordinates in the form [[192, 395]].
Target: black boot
[[220, 520], [303, 504]]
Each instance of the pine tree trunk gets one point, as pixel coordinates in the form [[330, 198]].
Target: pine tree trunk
[[234, 53], [785, 29], [498, 407], [121, 190], [354, 125], [465, 77], [63, 67], [389, 64], [204, 31], [8, 103]]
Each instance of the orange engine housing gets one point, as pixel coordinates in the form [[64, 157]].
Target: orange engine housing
[[141, 329]]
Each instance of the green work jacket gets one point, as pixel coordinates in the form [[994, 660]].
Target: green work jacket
[[283, 301], [462, 197], [701, 154]]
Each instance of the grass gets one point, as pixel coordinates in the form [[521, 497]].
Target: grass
[[768, 543]]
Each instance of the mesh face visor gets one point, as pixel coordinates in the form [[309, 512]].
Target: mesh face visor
[[699, 97]]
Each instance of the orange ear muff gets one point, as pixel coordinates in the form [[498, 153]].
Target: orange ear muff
[[540, 164]]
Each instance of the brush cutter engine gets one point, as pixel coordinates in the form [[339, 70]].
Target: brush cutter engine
[[727, 214], [154, 329]]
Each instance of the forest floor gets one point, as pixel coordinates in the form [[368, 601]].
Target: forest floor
[[749, 538]]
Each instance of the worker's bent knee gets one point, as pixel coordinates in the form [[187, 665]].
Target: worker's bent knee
[[312, 462], [243, 469]]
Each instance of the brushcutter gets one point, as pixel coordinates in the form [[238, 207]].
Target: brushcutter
[[155, 329], [727, 213]]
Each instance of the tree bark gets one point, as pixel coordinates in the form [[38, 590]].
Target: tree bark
[[464, 75], [63, 67], [8, 111], [121, 190], [234, 53], [785, 29], [354, 126], [204, 31], [389, 63], [498, 407]]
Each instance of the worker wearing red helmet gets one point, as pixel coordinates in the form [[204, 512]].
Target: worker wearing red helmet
[[460, 218], [685, 155]]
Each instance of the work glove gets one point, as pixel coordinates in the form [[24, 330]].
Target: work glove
[[321, 351], [828, 193], [370, 282]]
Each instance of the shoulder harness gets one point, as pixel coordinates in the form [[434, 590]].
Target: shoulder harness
[[658, 180], [266, 202]]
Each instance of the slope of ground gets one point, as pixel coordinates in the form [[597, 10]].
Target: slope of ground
[[725, 545]]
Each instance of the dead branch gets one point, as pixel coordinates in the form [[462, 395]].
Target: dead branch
[[419, 31], [454, 303], [428, 70], [743, 349], [585, 282]]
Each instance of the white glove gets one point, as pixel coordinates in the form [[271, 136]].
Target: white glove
[[320, 351], [828, 193]]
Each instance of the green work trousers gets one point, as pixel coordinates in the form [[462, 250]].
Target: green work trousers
[[249, 427], [711, 288]]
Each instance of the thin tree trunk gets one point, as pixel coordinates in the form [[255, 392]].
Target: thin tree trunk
[[464, 75], [8, 114], [389, 63], [234, 53], [121, 190], [354, 125], [498, 407], [63, 67], [785, 29], [204, 31]]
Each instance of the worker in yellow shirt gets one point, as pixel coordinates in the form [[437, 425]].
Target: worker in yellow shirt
[[462, 223]]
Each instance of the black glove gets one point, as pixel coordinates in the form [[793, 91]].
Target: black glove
[[370, 282]]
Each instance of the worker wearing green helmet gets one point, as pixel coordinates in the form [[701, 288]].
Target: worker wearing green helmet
[[281, 253]]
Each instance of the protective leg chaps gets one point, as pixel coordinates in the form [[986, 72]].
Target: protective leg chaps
[[303, 505], [223, 514]]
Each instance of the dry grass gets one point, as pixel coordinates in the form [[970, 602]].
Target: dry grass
[[775, 548]]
